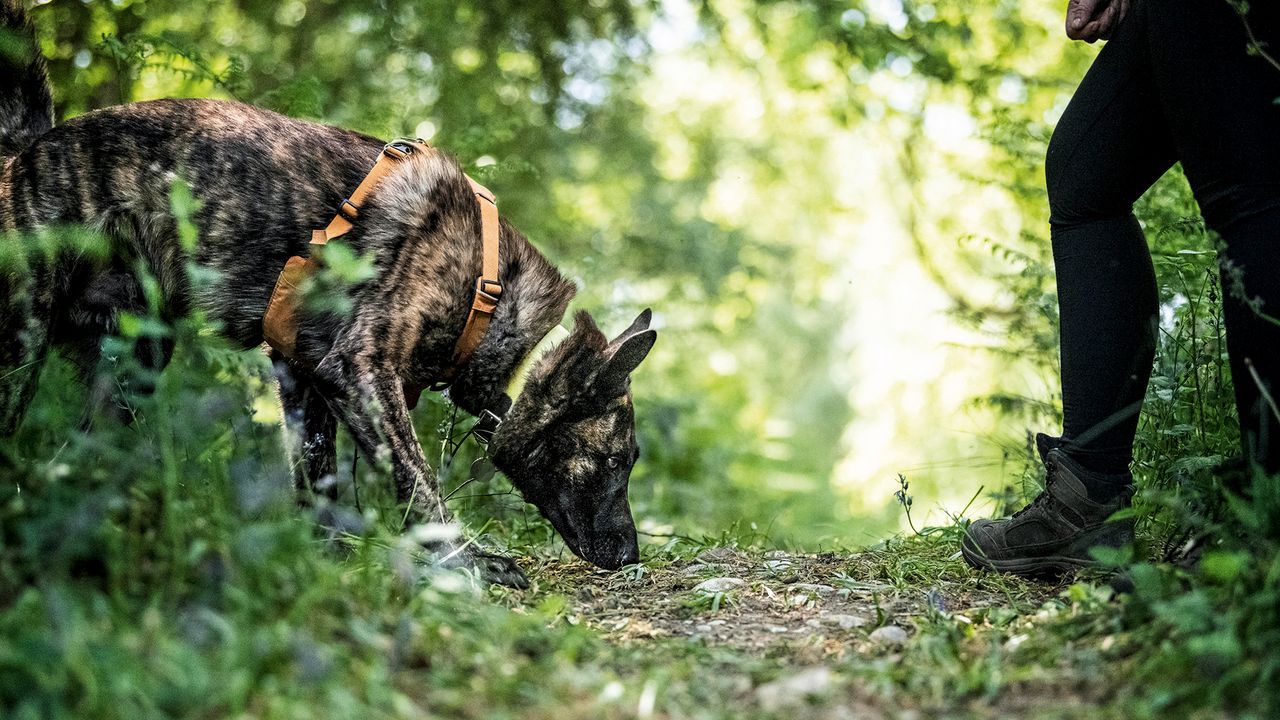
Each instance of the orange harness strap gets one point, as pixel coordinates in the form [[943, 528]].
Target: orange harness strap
[[280, 324]]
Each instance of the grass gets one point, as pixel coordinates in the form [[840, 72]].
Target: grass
[[160, 569]]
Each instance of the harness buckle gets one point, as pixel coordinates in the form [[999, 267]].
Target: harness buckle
[[398, 149], [401, 148], [490, 290], [486, 425], [348, 210]]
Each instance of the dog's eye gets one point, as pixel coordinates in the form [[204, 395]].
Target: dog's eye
[[612, 462]]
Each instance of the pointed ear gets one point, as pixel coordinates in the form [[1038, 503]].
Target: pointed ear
[[625, 358], [640, 325]]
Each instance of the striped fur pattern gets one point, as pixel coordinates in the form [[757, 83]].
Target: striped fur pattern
[[263, 182]]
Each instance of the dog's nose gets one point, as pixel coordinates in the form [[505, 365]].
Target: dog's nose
[[628, 556]]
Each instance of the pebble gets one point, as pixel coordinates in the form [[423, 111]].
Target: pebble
[[794, 689], [1013, 643], [694, 569], [889, 635], [776, 565], [717, 555], [846, 622], [719, 585]]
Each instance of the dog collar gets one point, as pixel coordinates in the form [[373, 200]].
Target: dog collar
[[521, 375], [280, 323]]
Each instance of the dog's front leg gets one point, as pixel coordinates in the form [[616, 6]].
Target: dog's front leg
[[368, 396]]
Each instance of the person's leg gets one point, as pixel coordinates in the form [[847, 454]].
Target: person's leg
[[1111, 144], [1109, 147], [1221, 101]]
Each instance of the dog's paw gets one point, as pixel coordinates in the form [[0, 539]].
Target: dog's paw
[[492, 568], [499, 570]]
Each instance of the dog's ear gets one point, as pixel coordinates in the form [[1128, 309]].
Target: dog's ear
[[625, 357], [640, 325]]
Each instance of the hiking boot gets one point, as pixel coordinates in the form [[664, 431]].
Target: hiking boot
[[1052, 536]]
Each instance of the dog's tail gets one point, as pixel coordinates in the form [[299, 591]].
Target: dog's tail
[[26, 103]]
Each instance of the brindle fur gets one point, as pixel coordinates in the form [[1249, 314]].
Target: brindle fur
[[264, 181]]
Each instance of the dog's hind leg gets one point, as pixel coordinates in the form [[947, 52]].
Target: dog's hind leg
[[87, 321], [310, 435], [19, 373], [25, 318]]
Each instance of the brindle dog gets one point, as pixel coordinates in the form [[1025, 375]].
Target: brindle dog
[[264, 181]]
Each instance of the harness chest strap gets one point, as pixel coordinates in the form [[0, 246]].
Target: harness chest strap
[[280, 323]]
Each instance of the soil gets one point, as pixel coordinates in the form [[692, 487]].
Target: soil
[[815, 616]]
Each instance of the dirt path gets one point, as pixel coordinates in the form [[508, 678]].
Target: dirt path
[[751, 602], [818, 620]]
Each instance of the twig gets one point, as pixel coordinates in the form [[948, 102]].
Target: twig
[[465, 483], [1262, 388], [686, 538], [1255, 46]]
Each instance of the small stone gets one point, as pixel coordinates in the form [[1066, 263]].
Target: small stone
[[717, 555], [777, 629], [719, 585], [776, 565], [889, 635], [777, 555], [793, 690], [846, 622], [703, 628], [1013, 643]]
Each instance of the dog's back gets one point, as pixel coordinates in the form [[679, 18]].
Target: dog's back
[[262, 180]]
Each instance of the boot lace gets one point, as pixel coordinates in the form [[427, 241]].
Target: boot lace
[[1046, 499]]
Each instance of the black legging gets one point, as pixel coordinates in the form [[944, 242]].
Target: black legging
[[1175, 83]]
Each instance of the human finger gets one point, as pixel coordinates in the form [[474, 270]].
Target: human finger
[[1122, 9], [1079, 15]]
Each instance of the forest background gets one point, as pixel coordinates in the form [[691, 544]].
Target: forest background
[[835, 209]]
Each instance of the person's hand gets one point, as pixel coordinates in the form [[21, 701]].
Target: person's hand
[[1093, 20]]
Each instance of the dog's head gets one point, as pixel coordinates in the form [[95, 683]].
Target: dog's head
[[569, 441]]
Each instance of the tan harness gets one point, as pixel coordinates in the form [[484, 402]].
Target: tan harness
[[280, 324]]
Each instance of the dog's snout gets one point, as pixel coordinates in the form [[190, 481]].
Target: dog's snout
[[628, 556]]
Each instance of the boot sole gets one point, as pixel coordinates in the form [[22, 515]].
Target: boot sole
[[1048, 566]]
